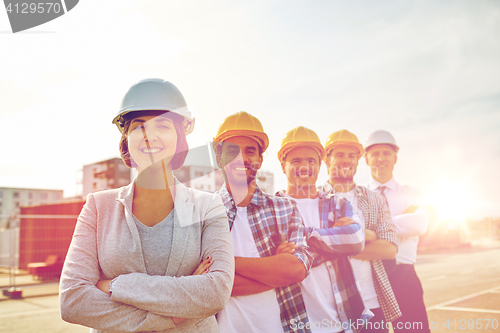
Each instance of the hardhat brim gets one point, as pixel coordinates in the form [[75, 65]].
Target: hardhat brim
[[396, 148], [188, 121], [292, 145], [357, 146], [261, 137]]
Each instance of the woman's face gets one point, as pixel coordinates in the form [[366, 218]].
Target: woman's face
[[151, 139]]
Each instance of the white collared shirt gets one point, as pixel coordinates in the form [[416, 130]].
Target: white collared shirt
[[408, 226]]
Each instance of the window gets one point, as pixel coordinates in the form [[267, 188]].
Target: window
[[30, 195], [16, 194], [43, 195]]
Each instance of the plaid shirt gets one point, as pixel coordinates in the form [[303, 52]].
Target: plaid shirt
[[274, 220], [333, 246], [377, 218]]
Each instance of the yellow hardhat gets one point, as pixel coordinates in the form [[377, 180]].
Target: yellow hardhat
[[300, 137], [242, 124], [343, 138]]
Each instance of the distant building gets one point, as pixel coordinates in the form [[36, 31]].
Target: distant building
[[12, 198], [105, 175], [197, 171], [265, 180], [200, 177]]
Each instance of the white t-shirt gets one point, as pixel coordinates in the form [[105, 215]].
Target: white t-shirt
[[362, 268], [250, 313], [317, 287]]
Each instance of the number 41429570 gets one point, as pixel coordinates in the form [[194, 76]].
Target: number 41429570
[[471, 324], [25, 8]]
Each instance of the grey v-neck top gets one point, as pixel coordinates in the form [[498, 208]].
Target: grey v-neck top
[[156, 243]]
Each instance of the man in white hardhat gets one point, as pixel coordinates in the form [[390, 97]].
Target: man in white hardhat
[[411, 218]]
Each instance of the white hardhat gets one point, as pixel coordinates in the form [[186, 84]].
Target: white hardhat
[[154, 95], [380, 137]]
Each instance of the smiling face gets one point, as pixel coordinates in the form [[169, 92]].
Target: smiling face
[[240, 159], [381, 160], [301, 167], [151, 139], [342, 162]]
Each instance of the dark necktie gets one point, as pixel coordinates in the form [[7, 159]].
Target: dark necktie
[[389, 264]]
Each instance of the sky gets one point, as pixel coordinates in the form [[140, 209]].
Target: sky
[[427, 71]]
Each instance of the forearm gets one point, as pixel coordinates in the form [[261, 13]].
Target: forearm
[[244, 286], [276, 271], [378, 249], [413, 224], [344, 240], [84, 304], [184, 297]]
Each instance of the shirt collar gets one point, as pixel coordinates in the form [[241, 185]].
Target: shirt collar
[[328, 191], [373, 184], [321, 193], [126, 193], [258, 199]]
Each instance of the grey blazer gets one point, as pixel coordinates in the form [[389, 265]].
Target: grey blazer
[[106, 245]]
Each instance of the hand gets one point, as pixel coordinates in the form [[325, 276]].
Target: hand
[[343, 221], [370, 235], [103, 285], [286, 247], [204, 266], [410, 209]]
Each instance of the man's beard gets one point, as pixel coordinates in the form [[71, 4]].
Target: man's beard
[[249, 179]]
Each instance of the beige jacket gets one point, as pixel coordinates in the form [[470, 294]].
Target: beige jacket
[[106, 245]]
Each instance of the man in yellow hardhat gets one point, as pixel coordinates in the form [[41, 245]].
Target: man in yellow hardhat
[[411, 217], [343, 152], [264, 230], [332, 304]]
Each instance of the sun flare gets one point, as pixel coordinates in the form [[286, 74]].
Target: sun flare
[[451, 202]]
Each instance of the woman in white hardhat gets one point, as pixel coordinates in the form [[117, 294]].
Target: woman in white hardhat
[[153, 255]]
